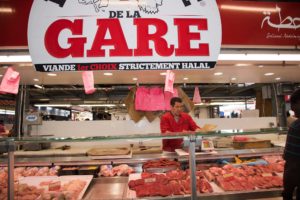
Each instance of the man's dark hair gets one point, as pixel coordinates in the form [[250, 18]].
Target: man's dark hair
[[174, 100], [1, 121], [295, 102]]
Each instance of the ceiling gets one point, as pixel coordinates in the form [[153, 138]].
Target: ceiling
[[233, 72], [67, 86]]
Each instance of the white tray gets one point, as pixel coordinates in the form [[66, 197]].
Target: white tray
[[181, 152], [36, 180]]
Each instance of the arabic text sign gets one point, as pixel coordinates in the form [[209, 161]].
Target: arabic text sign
[[124, 35], [262, 23]]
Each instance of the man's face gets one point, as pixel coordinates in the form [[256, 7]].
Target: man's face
[[177, 108]]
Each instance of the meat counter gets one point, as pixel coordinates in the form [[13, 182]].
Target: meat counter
[[108, 185]]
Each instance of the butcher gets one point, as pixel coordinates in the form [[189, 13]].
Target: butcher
[[291, 175], [176, 121]]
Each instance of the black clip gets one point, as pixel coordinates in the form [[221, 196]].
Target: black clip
[[186, 3], [61, 3]]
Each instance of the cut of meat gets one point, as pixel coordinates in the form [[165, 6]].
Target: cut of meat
[[176, 188], [176, 175], [161, 163], [142, 191], [135, 183], [210, 177], [186, 186], [54, 186], [273, 159], [204, 186]]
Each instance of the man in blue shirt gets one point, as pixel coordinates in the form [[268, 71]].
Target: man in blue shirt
[[291, 176]]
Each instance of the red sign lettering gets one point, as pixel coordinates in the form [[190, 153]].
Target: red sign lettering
[[76, 48], [118, 40]]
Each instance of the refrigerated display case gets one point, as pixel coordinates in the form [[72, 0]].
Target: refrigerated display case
[[117, 187]]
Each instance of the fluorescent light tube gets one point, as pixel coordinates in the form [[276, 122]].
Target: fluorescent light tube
[[222, 57], [52, 105], [260, 57], [97, 105], [15, 59]]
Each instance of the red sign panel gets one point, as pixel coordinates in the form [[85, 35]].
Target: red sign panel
[[260, 22], [14, 17], [256, 22]]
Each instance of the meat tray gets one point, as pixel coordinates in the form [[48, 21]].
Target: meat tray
[[36, 180]]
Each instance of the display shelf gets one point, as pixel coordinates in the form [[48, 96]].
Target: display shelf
[[69, 160], [219, 133]]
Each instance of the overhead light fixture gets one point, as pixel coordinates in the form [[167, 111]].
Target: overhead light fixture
[[185, 78], [1, 75], [15, 59], [6, 10], [35, 79], [259, 57], [230, 103], [269, 74], [248, 8], [163, 73], [25, 65], [52, 105], [224, 103], [277, 79], [134, 79], [107, 74], [260, 66], [222, 57], [38, 86], [218, 73], [97, 105], [233, 78], [51, 74], [7, 112], [242, 65], [200, 104]]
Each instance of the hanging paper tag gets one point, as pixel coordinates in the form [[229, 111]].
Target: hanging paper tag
[[170, 77], [88, 82], [196, 98]]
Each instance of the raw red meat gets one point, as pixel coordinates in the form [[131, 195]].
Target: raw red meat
[[142, 191], [134, 183], [176, 188], [209, 175], [176, 175], [204, 186]]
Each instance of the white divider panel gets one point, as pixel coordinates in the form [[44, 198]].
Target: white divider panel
[[127, 127]]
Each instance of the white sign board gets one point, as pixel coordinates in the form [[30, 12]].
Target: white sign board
[[81, 35]]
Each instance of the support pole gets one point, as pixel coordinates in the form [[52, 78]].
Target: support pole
[[192, 163], [11, 165]]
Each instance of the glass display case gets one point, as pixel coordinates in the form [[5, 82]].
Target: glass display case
[[192, 160]]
